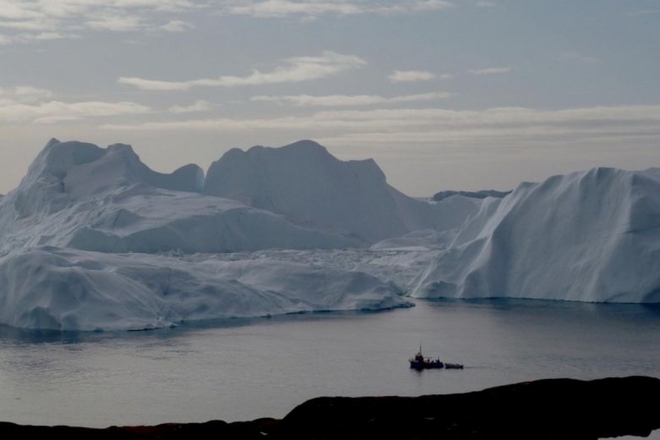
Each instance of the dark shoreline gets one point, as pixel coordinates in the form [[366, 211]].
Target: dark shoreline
[[542, 409]]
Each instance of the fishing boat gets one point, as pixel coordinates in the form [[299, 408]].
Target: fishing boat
[[419, 362]]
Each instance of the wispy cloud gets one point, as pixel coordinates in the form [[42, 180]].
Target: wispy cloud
[[31, 94], [643, 12], [25, 94], [33, 104], [313, 9], [423, 132], [430, 125], [177, 26], [577, 56], [115, 22], [490, 71], [55, 111], [348, 101], [293, 70], [70, 17], [414, 76], [198, 106]]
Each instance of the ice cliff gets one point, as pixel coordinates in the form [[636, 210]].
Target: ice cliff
[[587, 236]]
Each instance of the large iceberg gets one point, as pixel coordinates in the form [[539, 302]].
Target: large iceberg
[[81, 196], [588, 236], [92, 239], [90, 236]]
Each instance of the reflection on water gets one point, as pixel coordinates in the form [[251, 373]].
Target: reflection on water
[[244, 369]]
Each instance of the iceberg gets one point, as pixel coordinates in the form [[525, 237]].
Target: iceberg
[[77, 195], [590, 236], [91, 235], [312, 188], [93, 239], [68, 289]]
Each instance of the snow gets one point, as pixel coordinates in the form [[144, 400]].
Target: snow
[[92, 239], [589, 236]]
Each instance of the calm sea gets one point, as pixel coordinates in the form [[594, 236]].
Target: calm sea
[[245, 369]]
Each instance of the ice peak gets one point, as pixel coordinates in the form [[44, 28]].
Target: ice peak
[[51, 142], [122, 148], [295, 151], [307, 184], [74, 170]]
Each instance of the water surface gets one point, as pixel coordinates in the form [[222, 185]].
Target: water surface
[[245, 369]]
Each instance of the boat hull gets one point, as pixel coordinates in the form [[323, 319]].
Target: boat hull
[[424, 365]]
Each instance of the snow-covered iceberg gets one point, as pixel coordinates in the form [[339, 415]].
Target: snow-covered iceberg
[[588, 236]]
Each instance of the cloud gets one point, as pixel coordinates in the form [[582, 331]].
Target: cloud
[[21, 108], [643, 12], [413, 76], [67, 18], [485, 4], [198, 106], [177, 26], [577, 56], [30, 93], [71, 17], [293, 70], [313, 9], [504, 126], [25, 94], [347, 101], [115, 22], [490, 70]]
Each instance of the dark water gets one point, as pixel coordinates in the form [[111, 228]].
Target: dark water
[[244, 369]]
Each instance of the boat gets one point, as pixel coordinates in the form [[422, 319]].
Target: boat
[[419, 362], [453, 366]]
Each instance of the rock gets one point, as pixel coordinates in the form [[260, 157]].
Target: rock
[[566, 409]]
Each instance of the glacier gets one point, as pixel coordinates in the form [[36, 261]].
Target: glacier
[[93, 239]]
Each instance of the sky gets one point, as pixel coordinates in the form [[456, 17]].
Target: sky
[[460, 94]]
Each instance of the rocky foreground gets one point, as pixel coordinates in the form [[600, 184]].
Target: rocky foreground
[[543, 409]]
